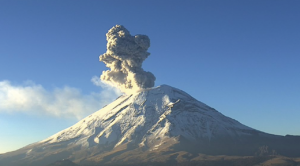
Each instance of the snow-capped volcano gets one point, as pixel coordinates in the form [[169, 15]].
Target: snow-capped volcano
[[150, 115], [153, 122]]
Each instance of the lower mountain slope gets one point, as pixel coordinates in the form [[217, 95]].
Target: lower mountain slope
[[155, 125]]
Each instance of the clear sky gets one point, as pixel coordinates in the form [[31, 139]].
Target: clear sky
[[239, 57]]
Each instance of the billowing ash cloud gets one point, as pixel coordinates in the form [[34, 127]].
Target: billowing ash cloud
[[124, 56]]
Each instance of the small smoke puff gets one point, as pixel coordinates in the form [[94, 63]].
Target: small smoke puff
[[124, 56]]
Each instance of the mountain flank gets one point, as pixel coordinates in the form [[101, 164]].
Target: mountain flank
[[162, 125]]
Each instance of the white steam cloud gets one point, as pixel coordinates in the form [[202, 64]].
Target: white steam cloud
[[66, 102], [124, 56]]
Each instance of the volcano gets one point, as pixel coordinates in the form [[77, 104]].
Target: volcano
[[161, 124]]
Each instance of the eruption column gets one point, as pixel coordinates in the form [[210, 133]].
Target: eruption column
[[124, 56]]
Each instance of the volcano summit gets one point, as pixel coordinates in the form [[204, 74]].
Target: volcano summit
[[153, 125]]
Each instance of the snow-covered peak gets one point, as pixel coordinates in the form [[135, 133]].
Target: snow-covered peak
[[149, 117], [153, 122]]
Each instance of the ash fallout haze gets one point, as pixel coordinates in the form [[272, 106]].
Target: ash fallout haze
[[241, 57]]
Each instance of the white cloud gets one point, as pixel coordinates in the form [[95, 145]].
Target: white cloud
[[66, 102]]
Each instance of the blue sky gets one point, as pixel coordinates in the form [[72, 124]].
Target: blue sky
[[239, 57]]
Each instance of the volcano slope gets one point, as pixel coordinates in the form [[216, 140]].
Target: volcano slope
[[157, 125]]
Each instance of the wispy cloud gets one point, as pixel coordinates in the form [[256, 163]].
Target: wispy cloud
[[66, 102]]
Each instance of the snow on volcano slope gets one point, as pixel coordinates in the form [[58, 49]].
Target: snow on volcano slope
[[141, 118], [155, 122]]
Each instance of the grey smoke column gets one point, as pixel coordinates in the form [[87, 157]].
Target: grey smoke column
[[124, 56]]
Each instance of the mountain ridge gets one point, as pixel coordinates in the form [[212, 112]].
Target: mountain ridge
[[163, 109], [154, 122]]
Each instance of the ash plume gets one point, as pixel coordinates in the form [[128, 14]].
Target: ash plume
[[124, 56]]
